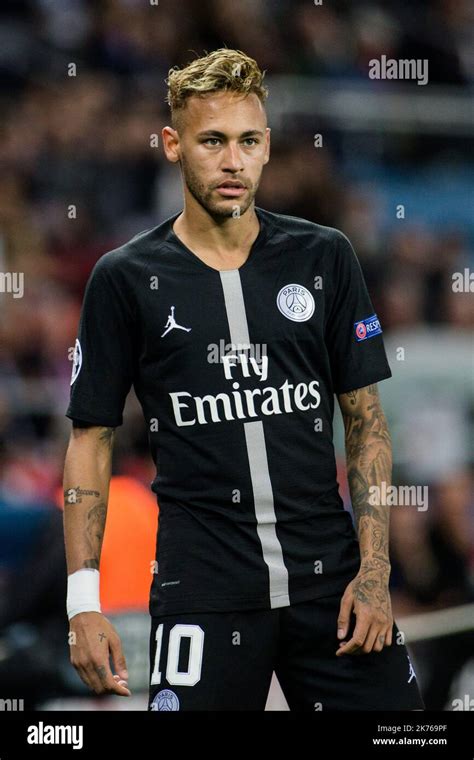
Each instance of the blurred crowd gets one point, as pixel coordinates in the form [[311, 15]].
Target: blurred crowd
[[82, 94]]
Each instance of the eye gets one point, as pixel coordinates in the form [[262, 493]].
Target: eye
[[213, 141], [250, 141]]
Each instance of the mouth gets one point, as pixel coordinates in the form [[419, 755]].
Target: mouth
[[231, 189]]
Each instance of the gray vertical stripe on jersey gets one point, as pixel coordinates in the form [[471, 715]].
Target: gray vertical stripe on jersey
[[265, 511], [257, 454], [235, 307]]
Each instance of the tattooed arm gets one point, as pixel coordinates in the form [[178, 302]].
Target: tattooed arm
[[87, 472], [369, 464]]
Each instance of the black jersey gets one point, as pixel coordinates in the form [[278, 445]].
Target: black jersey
[[236, 373]]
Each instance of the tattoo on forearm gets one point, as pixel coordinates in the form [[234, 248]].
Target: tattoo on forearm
[[94, 531], [369, 462], [107, 435]]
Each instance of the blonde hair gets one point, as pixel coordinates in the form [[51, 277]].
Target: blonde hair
[[223, 69]]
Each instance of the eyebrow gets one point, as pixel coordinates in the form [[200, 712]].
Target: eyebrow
[[217, 133]]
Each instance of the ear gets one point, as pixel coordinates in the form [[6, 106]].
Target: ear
[[267, 146], [171, 144]]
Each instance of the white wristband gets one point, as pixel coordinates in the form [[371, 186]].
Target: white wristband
[[83, 592]]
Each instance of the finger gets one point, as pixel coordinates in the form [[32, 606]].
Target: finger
[[372, 641], [107, 682], [118, 657], [344, 616], [94, 676], [90, 678], [357, 640], [120, 681], [118, 686], [380, 641], [388, 637]]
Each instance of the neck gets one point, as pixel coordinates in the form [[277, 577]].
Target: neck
[[218, 234]]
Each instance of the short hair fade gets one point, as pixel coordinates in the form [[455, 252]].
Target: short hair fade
[[223, 69]]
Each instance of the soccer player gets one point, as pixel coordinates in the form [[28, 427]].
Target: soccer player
[[236, 327]]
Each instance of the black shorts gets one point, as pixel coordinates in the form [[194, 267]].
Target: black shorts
[[225, 661]]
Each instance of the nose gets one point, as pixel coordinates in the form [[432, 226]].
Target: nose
[[232, 161]]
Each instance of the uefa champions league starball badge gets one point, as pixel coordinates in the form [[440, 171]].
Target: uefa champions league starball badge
[[295, 302], [165, 701]]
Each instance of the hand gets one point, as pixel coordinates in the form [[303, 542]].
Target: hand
[[368, 595], [95, 640]]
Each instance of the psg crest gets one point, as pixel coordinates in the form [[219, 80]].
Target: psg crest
[[165, 701], [295, 302]]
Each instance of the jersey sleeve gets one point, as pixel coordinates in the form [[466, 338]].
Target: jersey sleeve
[[103, 362], [353, 331]]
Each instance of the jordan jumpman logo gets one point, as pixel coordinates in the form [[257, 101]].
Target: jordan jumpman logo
[[172, 324]]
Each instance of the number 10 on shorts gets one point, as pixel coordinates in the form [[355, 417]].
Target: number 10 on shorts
[[175, 677]]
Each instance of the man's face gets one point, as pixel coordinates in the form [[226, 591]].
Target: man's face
[[223, 145]]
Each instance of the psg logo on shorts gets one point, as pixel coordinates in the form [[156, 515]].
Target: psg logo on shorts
[[165, 701], [295, 302]]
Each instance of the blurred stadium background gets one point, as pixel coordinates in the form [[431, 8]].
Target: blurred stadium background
[[78, 177]]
